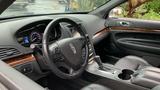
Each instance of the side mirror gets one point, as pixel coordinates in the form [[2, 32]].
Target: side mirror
[[133, 4]]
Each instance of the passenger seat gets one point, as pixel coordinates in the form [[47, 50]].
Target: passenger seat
[[131, 62], [100, 87]]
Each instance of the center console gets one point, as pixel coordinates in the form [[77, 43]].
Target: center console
[[143, 79], [112, 77], [110, 71]]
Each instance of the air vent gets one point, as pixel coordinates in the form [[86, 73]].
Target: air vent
[[8, 52]]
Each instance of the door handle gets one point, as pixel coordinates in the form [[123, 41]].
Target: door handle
[[124, 23]]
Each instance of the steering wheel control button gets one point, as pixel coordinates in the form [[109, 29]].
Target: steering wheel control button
[[58, 58], [57, 51], [61, 59]]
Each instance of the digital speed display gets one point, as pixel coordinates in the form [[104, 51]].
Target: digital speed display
[[26, 40]]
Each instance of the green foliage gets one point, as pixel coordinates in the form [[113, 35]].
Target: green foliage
[[85, 5], [88, 5], [153, 5], [147, 11], [98, 3], [151, 15], [150, 10]]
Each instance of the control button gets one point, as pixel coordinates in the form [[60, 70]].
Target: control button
[[57, 51], [61, 59], [26, 69], [58, 57]]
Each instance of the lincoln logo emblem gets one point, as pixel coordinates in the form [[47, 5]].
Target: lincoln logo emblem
[[73, 48]]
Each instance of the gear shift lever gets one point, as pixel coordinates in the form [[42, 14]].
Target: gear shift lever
[[99, 62]]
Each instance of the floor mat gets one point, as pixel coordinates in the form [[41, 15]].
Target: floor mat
[[55, 83]]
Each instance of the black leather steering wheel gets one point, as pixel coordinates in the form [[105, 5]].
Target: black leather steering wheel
[[64, 56]]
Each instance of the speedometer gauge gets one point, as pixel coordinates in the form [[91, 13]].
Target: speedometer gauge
[[35, 37]]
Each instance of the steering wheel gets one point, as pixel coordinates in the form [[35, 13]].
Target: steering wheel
[[65, 57]]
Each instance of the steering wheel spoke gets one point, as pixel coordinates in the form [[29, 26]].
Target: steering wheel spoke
[[71, 70], [66, 68], [55, 53], [54, 49]]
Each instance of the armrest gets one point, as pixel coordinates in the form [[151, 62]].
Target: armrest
[[148, 77]]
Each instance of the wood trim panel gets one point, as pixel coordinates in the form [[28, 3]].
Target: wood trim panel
[[105, 30], [20, 60], [135, 29], [101, 32]]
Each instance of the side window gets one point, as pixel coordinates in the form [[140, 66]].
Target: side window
[[139, 9]]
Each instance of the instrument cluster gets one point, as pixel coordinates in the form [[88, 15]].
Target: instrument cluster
[[33, 34]]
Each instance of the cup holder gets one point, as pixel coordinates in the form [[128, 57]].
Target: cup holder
[[126, 74]]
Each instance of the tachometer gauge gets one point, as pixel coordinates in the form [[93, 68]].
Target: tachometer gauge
[[35, 37]]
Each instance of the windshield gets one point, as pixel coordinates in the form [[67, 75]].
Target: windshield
[[35, 7]]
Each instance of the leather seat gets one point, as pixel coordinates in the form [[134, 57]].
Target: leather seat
[[131, 62], [156, 88], [100, 87], [95, 87]]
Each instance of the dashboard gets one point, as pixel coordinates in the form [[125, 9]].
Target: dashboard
[[32, 34], [19, 34]]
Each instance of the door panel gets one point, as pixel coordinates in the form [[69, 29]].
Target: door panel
[[144, 42], [133, 37]]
